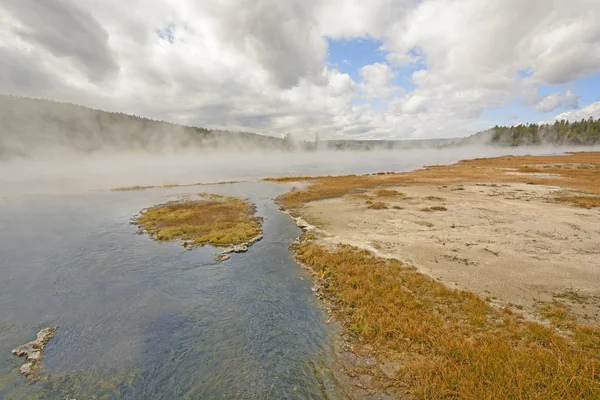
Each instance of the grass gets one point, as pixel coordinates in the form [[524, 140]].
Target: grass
[[586, 181], [378, 205], [452, 343], [572, 295], [289, 178], [434, 208], [168, 186], [388, 193], [583, 201], [434, 198], [131, 188], [216, 220]]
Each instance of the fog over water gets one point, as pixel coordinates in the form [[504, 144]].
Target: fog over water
[[76, 174]]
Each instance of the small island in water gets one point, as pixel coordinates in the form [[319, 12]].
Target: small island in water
[[213, 219]]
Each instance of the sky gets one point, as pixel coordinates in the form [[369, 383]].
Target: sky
[[345, 69]]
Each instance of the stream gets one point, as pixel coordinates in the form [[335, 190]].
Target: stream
[[141, 319]]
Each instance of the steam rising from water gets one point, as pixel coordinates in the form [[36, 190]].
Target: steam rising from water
[[101, 172]]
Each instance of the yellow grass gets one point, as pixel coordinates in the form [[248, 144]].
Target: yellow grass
[[452, 344], [388, 193], [289, 178], [131, 188], [584, 201], [215, 220]]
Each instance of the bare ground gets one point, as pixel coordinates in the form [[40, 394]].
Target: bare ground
[[508, 242]]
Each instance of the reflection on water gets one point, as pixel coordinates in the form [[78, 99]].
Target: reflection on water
[[140, 319]]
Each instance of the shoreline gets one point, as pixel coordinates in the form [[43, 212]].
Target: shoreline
[[368, 373]]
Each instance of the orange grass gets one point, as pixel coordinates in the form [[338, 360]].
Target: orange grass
[[569, 169], [452, 343], [215, 220]]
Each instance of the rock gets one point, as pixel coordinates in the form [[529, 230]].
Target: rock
[[348, 358], [240, 248], [34, 351], [390, 369], [365, 380], [222, 257], [27, 369], [366, 362]]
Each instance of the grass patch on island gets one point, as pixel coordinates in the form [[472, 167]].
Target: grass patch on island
[[131, 188], [451, 343], [216, 220]]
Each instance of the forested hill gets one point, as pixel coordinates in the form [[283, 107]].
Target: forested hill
[[560, 133], [33, 127]]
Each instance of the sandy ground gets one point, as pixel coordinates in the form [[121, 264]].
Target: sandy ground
[[507, 242]]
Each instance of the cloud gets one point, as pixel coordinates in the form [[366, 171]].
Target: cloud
[[557, 100], [65, 30], [262, 66], [377, 80], [592, 110]]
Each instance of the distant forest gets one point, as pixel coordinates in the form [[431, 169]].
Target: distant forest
[[32, 128], [584, 132]]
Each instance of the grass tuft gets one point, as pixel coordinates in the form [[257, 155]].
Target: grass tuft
[[388, 193], [379, 205], [434, 208], [131, 188]]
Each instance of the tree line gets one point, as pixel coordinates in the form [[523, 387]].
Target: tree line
[[584, 132]]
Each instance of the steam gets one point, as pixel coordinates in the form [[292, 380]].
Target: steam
[[103, 172], [48, 147]]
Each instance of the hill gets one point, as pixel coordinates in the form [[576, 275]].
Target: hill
[[34, 127]]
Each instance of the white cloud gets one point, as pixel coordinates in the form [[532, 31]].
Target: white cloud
[[377, 81], [558, 99], [240, 64], [592, 110]]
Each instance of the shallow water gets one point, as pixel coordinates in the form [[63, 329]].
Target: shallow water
[[140, 319]]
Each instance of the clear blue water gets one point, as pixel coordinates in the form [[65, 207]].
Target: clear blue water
[[141, 319]]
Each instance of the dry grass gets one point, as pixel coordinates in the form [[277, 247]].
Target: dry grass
[[434, 208], [434, 198], [388, 193], [452, 343], [290, 178], [131, 188], [379, 205], [583, 201], [168, 186], [584, 180], [216, 220]]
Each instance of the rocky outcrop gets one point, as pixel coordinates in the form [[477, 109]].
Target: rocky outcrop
[[34, 351], [240, 248]]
